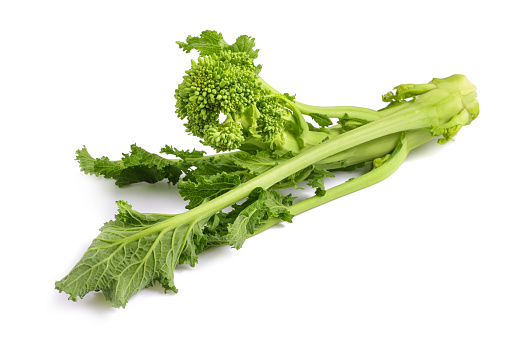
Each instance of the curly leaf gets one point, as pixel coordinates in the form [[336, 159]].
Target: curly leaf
[[86, 161], [137, 166], [261, 204], [170, 150], [207, 187], [211, 42], [316, 180]]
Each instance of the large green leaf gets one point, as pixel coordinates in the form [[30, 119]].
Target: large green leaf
[[137, 166], [132, 252]]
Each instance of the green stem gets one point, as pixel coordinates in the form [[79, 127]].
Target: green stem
[[398, 122], [368, 179], [372, 149], [417, 118], [357, 113], [404, 144]]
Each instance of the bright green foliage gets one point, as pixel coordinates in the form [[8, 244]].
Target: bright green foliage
[[136, 250], [261, 161], [137, 166], [207, 187], [211, 42], [317, 180], [233, 196], [182, 154], [321, 119], [247, 217]]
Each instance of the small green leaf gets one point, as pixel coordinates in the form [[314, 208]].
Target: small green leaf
[[260, 162], [245, 223], [170, 150], [277, 205], [86, 161], [316, 180], [245, 44], [211, 42], [207, 187], [321, 119], [208, 43], [261, 204]]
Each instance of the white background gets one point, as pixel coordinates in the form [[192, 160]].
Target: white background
[[421, 255]]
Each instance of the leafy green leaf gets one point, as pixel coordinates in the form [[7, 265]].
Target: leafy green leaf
[[210, 167], [265, 160], [321, 119], [261, 204], [245, 44], [140, 157], [170, 150], [316, 180], [207, 187], [277, 205], [260, 162], [86, 161], [137, 166], [208, 43], [294, 179], [109, 169], [133, 252], [245, 223], [211, 42]]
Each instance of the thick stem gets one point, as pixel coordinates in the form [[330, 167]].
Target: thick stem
[[411, 140], [372, 149], [368, 179], [398, 122]]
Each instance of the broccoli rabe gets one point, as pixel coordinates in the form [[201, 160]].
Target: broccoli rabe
[[233, 196]]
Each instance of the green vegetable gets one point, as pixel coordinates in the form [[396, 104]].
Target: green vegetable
[[226, 81], [233, 196]]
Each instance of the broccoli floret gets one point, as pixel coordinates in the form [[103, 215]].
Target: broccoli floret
[[229, 106], [227, 84]]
